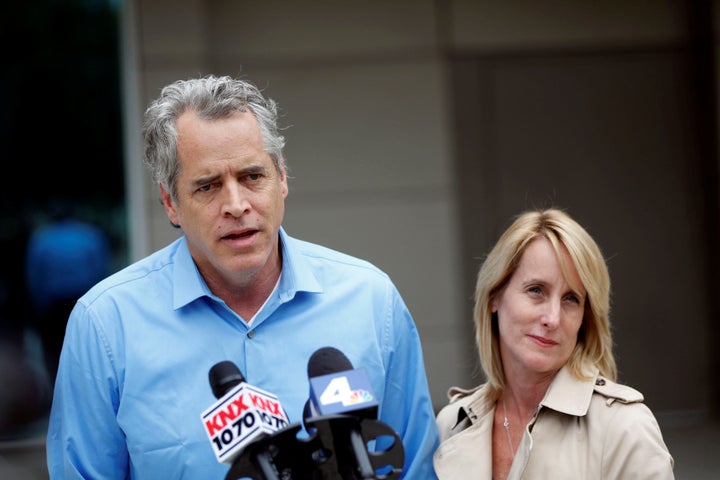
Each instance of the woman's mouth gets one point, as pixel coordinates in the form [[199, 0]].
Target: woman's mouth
[[543, 341]]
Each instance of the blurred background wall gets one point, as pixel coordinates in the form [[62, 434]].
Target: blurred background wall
[[417, 128]]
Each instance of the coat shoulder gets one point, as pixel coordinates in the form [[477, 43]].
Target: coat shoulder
[[456, 394], [459, 413], [614, 391]]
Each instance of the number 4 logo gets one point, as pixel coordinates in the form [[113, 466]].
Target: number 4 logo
[[338, 390]]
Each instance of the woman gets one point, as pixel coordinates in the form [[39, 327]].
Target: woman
[[551, 407]]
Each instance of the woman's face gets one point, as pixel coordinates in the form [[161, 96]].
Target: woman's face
[[539, 313]]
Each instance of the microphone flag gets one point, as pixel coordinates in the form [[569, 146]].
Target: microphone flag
[[240, 417], [348, 392]]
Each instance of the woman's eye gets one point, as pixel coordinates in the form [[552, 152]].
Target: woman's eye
[[536, 290], [573, 298]]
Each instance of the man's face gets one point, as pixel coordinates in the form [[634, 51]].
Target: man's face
[[230, 199]]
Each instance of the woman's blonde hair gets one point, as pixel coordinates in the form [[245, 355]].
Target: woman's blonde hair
[[594, 342]]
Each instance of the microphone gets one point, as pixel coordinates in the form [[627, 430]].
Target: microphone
[[343, 412], [337, 388], [242, 416], [224, 376]]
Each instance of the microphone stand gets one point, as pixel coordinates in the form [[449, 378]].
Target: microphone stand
[[336, 449], [349, 436]]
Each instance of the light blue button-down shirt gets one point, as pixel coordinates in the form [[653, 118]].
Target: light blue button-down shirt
[[133, 375]]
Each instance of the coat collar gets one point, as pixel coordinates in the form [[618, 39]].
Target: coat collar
[[569, 394], [566, 394]]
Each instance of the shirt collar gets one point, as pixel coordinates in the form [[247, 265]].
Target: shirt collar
[[296, 275], [188, 284]]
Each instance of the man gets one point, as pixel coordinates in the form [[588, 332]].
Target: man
[[133, 374]]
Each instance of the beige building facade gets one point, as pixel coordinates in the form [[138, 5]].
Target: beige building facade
[[417, 128]]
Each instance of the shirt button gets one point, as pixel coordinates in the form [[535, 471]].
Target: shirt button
[[251, 334], [600, 382]]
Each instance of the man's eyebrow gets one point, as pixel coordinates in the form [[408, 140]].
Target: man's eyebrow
[[250, 169], [254, 168], [204, 180]]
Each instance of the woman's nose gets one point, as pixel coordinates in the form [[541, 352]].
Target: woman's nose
[[551, 315]]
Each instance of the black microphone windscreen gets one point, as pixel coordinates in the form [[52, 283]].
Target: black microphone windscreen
[[327, 360], [224, 376]]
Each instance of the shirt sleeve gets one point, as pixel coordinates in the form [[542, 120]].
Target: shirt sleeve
[[84, 439], [634, 447], [407, 404]]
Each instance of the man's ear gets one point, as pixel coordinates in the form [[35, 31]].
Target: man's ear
[[169, 205], [284, 182]]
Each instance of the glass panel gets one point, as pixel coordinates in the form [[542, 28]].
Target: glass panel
[[61, 141]]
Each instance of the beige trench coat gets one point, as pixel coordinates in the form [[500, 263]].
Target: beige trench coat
[[582, 430]]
